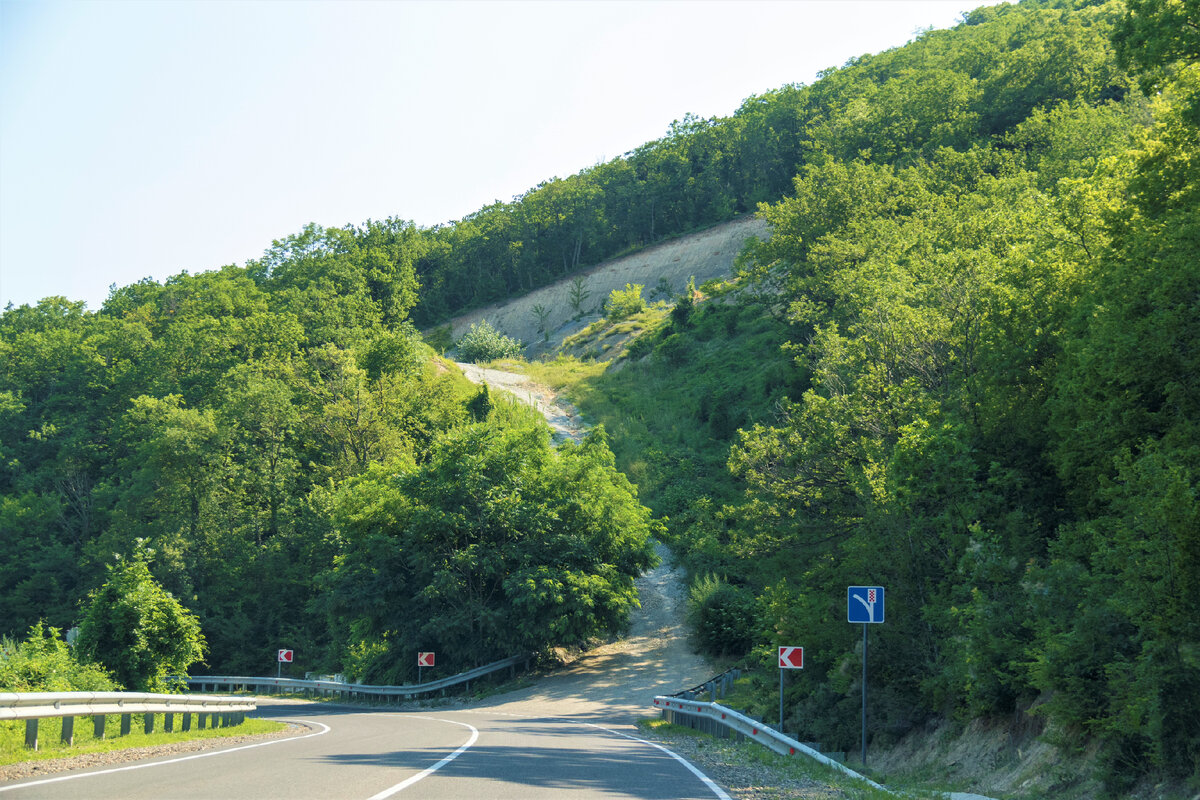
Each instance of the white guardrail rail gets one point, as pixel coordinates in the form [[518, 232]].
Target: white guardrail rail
[[709, 717], [33, 706], [350, 691]]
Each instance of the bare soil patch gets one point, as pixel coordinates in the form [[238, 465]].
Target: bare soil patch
[[704, 255]]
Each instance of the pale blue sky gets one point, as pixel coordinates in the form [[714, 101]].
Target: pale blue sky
[[142, 139]]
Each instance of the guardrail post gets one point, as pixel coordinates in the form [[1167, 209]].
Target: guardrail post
[[169, 723], [148, 724], [125, 724], [31, 730], [201, 721], [68, 731], [187, 722], [98, 726]]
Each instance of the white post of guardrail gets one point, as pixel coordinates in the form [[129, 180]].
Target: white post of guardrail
[[31, 734], [68, 731]]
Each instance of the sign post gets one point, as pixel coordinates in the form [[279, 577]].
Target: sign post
[[864, 604], [284, 656], [423, 660], [789, 658]]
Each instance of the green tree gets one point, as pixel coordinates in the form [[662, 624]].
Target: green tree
[[579, 294], [137, 630], [498, 544]]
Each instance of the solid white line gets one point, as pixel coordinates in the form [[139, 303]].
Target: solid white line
[[717, 790], [404, 784], [207, 754]]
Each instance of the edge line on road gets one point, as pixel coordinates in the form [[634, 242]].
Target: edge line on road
[[425, 773], [206, 754], [707, 781]]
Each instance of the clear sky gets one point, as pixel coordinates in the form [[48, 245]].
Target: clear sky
[[142, 139]]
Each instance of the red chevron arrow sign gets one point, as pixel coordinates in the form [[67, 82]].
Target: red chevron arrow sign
[[791, 658]]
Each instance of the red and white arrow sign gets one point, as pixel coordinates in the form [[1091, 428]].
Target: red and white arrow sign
[[285, 656], [424, 659], [791, 658]]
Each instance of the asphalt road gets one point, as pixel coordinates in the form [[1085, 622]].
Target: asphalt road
[[431, 755], [569, 734]]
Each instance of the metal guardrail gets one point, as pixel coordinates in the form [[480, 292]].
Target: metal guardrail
[[711, 716], [33, 706], [716, 686], [355, 690]]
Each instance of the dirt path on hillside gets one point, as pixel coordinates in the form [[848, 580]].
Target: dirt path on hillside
[[617, 682], [563, 417], [614, 685]]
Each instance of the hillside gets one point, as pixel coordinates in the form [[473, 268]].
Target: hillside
[[665, 267], [963, 367]]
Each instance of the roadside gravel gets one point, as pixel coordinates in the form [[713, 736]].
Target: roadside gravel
[[732, 766]]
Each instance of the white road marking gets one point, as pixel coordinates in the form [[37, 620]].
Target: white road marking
[[425, 773], [169, 761], [707, 781]]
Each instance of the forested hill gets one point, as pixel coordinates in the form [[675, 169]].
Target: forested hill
[[985, 281], [968, 373]]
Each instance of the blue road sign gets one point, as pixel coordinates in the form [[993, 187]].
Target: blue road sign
[[864, 604]]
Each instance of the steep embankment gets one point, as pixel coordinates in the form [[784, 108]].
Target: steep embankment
[[705, 255]]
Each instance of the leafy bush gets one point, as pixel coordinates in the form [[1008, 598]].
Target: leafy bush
[[625, 302], [138, 630], [722, 615], [484, 343], [480, 406], [45, 663], [673, 350]]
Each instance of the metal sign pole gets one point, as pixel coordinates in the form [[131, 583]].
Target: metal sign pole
[[864, 702], [781, 699]]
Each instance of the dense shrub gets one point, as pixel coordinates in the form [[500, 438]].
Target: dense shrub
[[722, 616], [45, 663], [625, 302], [484, 343]]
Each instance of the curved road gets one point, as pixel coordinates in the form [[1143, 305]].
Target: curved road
[[432, 755], [570, 735]]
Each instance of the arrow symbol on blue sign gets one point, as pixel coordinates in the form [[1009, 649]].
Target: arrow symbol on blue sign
[[861, 602]]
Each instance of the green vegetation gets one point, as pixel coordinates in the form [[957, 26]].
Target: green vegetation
[[963, 366], [13, 750], [43, 662], [625, 302], [496, 544], [231, 440], [482, 343], [138, 631], [990, 406]]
